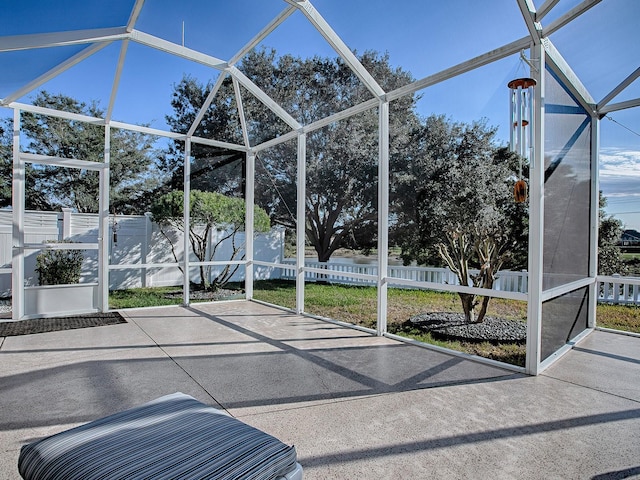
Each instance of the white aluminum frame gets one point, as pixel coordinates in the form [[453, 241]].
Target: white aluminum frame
[[542, 51]]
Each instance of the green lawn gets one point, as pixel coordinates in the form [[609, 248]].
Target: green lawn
[[358, 305]]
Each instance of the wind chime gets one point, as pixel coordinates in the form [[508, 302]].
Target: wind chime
[[521, 137]]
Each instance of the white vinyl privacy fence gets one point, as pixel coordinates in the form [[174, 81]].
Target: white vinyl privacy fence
[[133, 240]]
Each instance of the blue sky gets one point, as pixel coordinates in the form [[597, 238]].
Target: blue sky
[[422, 37]]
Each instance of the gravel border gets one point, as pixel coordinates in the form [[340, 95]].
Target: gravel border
[[452, 326], [220, 294]]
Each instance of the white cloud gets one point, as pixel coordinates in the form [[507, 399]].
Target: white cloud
[[619, 162], [620, 183]]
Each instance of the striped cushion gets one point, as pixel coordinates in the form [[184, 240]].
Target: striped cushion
[[173, 437]]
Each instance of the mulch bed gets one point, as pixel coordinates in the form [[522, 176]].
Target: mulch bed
[[55, 324]]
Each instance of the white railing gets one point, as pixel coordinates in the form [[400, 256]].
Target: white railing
[[615, 289], [339, 272], [619, 290]]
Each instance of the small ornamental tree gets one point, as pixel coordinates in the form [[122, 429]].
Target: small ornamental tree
[[59, 267], [457, 208], [209, 212]]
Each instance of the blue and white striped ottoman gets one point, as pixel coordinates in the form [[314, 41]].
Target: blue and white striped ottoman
[[172, 437]]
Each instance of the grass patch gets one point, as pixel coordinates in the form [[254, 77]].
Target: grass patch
[[618, 317], [159, 296], [142, 297]]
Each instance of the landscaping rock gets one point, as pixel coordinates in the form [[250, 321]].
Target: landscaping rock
[[451, 325]]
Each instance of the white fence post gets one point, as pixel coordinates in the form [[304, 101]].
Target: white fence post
[[616, 289], [65, 228]]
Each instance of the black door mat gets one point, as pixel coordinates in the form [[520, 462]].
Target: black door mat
[[44, 325]]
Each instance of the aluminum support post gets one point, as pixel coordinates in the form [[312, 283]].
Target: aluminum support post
[[383, 215], [536, 221], [18, 203], [103, 225], [301, 216], [186, 220], [594, 218], [249, 223]]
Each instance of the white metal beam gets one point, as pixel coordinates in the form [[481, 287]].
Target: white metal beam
[[447, 287], [148, 130], [301, 219], [249, 224], [205, 106], [263, 34], [216, 143], [569, 17], [556, 292], [61, 39], [336, 117], [349, 112], [17, 230], [56, 113], [383, 216], [186, 219], [60, 246], [616, 91], [116, 80], [239, 106], [264, 98], [545, 8], [536, 221], [62, 162], [135, 13], [276, 141], [338, 45], [103, 225], [615, 107], [177, 50], [464, 67], [57, 70], [594, 222], [528, 10], [567, 75]]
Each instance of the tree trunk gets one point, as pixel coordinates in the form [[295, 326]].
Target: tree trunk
[[203, 278], [483, 309], [468, 306]]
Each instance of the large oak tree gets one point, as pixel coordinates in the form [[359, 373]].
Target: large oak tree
[[342, 157]]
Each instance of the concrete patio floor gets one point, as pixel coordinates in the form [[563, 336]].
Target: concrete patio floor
[[355, 406]]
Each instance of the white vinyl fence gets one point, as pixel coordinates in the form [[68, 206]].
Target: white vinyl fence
[[133, 240], [507, 281], [619, 290]]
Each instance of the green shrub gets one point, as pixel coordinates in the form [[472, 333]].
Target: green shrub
[[59, 267]]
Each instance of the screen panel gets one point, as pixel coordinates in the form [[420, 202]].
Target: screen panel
[[563, 318], [567, 187]]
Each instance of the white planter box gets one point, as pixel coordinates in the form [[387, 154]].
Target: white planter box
[[54, 300]]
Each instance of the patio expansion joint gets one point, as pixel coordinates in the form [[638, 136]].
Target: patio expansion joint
[[593, 389], [176, 363]]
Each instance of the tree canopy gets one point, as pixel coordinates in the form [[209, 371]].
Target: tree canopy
[[51, 188]]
